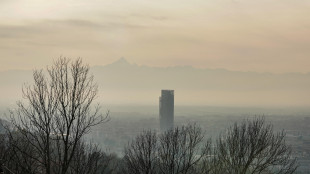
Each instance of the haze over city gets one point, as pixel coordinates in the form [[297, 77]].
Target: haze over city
[[234, 37], [161, 87]]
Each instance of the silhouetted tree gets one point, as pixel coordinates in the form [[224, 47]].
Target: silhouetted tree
[[89, 159], [172, 152], [252, 147], [180, 150], [3, 149], [141, 155], [58, 113], [18, 159]]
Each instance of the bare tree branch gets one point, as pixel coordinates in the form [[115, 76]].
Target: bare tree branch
[[57, 114]]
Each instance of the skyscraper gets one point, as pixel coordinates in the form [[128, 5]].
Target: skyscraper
[[166, 109]]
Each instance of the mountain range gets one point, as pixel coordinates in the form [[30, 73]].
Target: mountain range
[[124, 83]]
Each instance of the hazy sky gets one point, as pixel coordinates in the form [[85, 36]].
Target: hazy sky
[[246, 35]]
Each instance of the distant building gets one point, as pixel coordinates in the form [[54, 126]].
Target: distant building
[[166, 110]]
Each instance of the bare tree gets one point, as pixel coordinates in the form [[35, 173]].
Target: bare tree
[[180, 150], [172, 152], [3, 149], [89, 159], [18, 160], [252, 148], [111, 164], [57, 114], [141, 155]]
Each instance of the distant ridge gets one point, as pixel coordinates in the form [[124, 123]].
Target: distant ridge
[[124, 62], [120, 62], [186, 77], [124, 81], [122, 74]]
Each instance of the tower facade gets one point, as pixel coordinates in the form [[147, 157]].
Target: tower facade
[[166, 110]]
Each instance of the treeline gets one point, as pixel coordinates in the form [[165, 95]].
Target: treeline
[[250, 147], [45, 136]]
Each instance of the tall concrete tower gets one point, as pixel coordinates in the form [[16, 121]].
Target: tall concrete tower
[[166, 109]]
